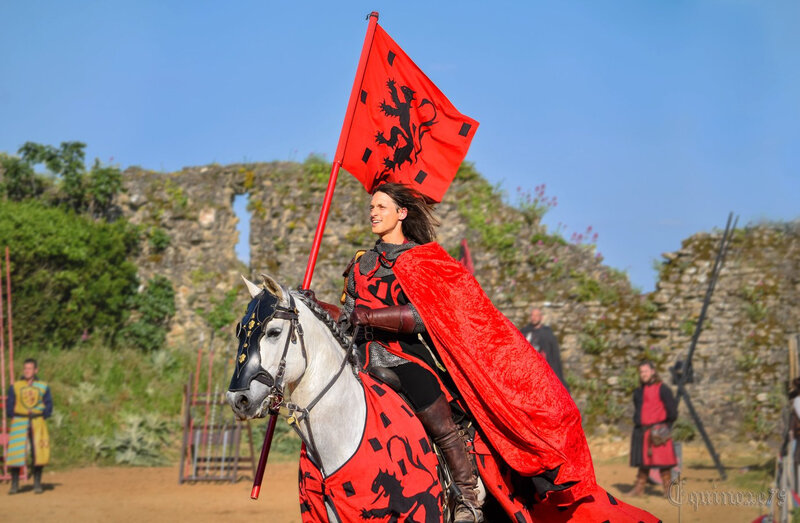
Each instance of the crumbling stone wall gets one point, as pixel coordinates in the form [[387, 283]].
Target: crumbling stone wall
[[741, 360], [605, 326]]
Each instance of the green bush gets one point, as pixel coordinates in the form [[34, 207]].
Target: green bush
[[153, 310], [592, 338], [158, 239], [586, 288], [480, 207], [317, 168], [139, 440], [687, 326], [104, 183], [221, 313], [71, 275]]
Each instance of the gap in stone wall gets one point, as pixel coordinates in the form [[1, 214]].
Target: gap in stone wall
[[244, 216]]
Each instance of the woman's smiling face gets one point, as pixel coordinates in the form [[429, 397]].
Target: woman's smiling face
[[384, 216]]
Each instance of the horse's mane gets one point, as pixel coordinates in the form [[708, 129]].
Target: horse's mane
[[345, 341]]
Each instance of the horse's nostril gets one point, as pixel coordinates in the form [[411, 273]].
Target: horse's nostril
[[242, 401]]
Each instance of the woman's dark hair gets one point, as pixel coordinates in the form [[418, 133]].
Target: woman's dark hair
[[420, 223]]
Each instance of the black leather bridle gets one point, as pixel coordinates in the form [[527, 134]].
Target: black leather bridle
[[262, 309]]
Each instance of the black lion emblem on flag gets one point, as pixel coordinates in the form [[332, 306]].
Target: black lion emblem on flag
[[405, 138]]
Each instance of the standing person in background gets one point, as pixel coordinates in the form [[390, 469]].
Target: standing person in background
[[29, 403], [794, 430], [654, 411], [541, 337]]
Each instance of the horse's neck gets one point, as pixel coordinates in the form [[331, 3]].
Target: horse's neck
[[337, 420]]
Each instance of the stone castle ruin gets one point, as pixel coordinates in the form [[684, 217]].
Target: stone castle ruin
[[605, 327]]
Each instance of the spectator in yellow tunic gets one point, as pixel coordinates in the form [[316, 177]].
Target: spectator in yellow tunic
[[29, 403]]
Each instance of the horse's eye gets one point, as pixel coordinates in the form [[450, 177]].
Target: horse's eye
[[273, 332], [238, 329]]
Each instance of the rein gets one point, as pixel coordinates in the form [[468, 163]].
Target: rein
[[275, 398]]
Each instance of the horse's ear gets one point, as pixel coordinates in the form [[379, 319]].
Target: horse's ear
[[273, 287], [252, 288]]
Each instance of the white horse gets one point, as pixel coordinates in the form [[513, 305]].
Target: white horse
[[314, 360], [292, 354]]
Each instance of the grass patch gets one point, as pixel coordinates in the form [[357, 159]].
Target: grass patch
[[110, 403], [124, 407]]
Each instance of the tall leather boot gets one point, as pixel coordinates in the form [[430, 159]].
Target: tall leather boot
[[37, 480], [438, 422], [666, 480], [641, 482], [14, 480]]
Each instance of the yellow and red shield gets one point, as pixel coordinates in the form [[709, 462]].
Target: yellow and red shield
[[29, 397]]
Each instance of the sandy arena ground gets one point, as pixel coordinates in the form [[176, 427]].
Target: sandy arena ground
[[153, 495]]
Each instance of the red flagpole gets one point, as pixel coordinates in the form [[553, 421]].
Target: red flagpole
[[10, 321], [3, 431], [323, 218], [337, 159]]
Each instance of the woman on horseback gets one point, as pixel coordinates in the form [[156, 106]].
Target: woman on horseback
[[393, 334], [420, 314]]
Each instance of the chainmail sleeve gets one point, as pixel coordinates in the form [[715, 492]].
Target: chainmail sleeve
[[349, 293], [419, 327]]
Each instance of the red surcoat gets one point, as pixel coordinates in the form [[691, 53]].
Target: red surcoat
[[653, 411]]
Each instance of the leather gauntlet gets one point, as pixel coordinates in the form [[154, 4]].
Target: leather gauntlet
[[397, 318]]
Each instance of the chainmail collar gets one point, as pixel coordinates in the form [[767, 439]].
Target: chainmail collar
[[388, 251]]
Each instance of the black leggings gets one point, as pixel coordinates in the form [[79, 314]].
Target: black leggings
[[418, 384]]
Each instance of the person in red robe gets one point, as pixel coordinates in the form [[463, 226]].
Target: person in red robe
[[654, 409], [424, 316]]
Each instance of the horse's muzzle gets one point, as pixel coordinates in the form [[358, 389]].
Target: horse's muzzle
[[243, 405]]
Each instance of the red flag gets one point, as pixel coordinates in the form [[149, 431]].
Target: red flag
[[403, 128]]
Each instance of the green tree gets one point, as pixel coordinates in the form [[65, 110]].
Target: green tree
[[35, 153], [71, 275], [78, 189], [19, 181], [73, 174], [105, 182]]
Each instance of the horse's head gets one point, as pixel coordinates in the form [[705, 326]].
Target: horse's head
[[269, 354]]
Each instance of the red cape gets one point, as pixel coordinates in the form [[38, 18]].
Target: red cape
[[518, 401], [527, 415]]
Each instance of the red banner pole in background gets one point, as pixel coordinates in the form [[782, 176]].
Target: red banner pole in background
[[323, 218], [10, 327], [4, 433]]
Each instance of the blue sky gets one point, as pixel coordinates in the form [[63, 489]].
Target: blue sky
[[649, 121]]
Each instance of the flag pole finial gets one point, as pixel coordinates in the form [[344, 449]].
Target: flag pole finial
[[373, 13]]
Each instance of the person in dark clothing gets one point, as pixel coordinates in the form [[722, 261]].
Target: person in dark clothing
[[541, 337], [793, 435], [654, 409]]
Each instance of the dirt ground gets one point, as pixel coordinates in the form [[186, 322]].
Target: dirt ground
[[153, 494]]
